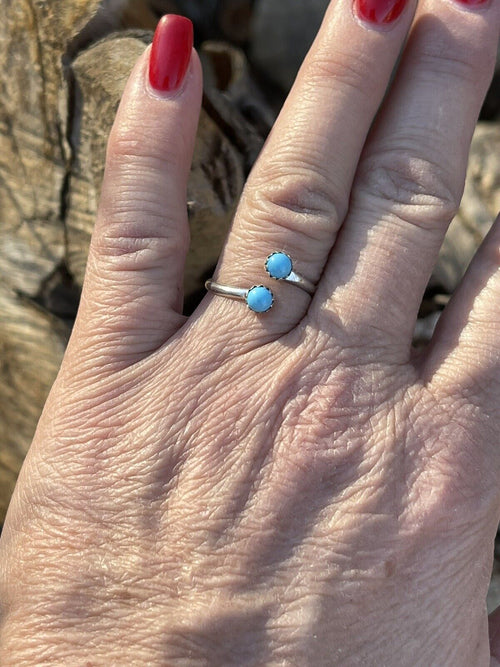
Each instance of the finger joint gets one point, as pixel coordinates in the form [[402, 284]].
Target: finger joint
[[418, 190]]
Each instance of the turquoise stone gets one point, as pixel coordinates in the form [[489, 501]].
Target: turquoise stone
[[279, 265], [259, 299]]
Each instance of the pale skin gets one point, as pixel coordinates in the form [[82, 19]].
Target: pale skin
[[299, 487]]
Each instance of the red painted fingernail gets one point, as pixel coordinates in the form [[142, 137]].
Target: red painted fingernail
[[379, 12], [472, 3], [170, 53]]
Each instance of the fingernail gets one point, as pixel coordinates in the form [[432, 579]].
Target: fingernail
[[379, 12], [170, 53], [472, 3]]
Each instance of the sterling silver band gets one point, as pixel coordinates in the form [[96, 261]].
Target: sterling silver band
[[298, 280], [258, 298], [226, 290], [279, 266]]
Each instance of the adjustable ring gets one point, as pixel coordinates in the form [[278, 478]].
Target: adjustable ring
[[258, 298], [280, 267]]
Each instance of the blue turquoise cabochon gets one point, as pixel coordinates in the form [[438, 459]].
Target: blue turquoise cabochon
[[259, 299], [279, 265]]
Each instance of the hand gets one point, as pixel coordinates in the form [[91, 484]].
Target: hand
[[291, 488]]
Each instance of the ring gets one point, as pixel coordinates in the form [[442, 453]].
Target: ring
[[258, 298], [280, 267]]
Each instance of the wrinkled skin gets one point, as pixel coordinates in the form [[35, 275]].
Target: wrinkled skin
[[295, 488]]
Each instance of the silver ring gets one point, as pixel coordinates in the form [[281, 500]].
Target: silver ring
[[279, 266], [258, 298]]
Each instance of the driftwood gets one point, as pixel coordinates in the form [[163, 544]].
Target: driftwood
[[480, 205], [60, 90]]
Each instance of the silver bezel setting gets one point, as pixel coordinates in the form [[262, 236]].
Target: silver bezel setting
[[278, 252], [261, 311]]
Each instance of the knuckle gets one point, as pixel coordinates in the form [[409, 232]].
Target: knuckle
[[473, 63], [419, 190], [346, 71], [441, 63], [139, 144], [301, 201], [133, 254], [136, 233], [124, 143], [125, 250]]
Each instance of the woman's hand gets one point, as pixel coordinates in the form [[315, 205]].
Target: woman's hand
[[296, 487]]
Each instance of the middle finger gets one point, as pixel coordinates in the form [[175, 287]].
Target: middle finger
[[298, 192]]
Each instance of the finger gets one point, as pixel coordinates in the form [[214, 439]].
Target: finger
[[297, 194], [132, 294], [466, 343], [412, 173]]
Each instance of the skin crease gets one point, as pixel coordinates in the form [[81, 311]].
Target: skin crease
[[300, 488]]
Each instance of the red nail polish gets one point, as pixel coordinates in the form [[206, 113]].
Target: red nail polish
[[170, 53], [472, 3], [379, 12]]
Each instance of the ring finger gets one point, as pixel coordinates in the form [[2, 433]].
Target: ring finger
[[411, 175]]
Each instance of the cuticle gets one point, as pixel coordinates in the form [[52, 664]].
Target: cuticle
[[379, 27], [167, 95], [471, 9]]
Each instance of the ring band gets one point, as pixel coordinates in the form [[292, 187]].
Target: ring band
[[258, 298], [279, 266]]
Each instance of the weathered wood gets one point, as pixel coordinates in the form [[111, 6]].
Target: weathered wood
[[32, 342], [60, 90], [480, 205], [33, 167]]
